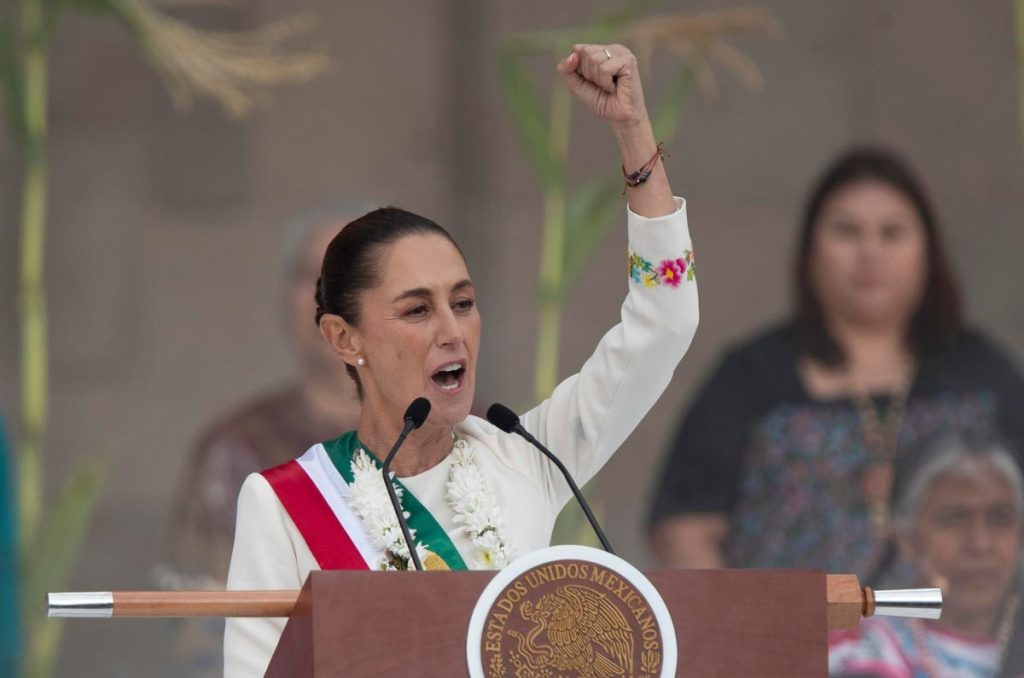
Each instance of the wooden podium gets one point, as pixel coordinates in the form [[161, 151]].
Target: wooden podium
[[762, 623]]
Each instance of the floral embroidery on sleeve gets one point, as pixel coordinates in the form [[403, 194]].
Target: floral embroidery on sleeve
[[670, 272]]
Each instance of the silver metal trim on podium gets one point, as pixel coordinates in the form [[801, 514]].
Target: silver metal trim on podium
[[80, 604], [917, 603]]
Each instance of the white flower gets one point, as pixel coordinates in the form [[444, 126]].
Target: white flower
[[476, 510], [370, 502], [468, 493]]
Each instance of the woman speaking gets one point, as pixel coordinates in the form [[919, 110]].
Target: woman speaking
[[396, 303]]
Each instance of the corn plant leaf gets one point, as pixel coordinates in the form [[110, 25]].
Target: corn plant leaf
[[572, 526], [39, 654], [587, 221], [55, 550], [669, 112], [604, 28], [10, 75], [54, 9], [85, 5], [617, 18], [558, 41], [529, 119]]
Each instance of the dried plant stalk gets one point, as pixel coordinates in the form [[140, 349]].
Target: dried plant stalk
[[232, 69], [700, 40]]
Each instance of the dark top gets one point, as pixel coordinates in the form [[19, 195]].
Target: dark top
[[786, 468]]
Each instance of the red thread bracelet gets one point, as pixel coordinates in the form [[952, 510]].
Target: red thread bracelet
[[640, 176]]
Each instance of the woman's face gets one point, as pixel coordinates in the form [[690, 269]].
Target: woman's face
[[965, 538], [419, 331], [868, 255]]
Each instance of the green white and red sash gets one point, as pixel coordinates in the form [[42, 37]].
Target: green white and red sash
[[318, 506], [314, 490]]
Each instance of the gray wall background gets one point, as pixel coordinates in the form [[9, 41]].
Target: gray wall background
[[163, 248]]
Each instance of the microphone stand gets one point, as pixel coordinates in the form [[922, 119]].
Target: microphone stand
[[385, 470], [572, 485], [508, 421]]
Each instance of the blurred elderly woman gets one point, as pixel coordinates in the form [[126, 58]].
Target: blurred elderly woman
[[957, 520], [397, 305]]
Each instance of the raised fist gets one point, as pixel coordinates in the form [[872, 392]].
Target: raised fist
[[606, 80]]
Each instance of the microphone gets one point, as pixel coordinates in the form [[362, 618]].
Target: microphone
[[414, 417], [508, 421]]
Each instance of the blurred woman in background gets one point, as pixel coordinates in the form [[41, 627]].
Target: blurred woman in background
[[786, 456], [957, 522]]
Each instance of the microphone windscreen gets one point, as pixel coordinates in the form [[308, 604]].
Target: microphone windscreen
[[502, 417], [417, 412]]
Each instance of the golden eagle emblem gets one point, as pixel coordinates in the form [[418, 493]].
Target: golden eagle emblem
[[575, 629]]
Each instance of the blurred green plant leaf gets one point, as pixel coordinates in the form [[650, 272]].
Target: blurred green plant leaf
[[617, 18], [587, 222], [87, 5], [607, 27], [39, 656], [10, 75], [529, 119], [572, 526], [55, 548], [669, 113], [558, 41]]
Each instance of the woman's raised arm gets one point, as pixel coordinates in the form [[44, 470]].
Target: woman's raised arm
[[606, 80]]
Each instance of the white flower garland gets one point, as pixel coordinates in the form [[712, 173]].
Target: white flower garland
[[468, 493], [370, 501], [476, 509]]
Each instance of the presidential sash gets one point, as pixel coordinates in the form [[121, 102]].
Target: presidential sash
[[314, 489], [295, 484]]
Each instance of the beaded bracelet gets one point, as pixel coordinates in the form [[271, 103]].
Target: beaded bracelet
[[644, 173]]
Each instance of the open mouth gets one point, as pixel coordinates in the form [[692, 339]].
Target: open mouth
[[450, 376]]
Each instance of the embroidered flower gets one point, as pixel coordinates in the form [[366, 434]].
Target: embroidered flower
[[690, 263], [638, 266], [670, 272]]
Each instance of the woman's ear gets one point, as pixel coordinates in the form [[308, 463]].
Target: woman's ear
[[343, 339]]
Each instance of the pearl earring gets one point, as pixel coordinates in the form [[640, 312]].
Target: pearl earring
[[361, 361]]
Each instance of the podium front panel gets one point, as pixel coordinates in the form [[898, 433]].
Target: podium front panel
[[764, 623], [381, 624]]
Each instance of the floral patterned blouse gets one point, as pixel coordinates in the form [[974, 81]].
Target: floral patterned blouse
[[907, 648], [786, 468]]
